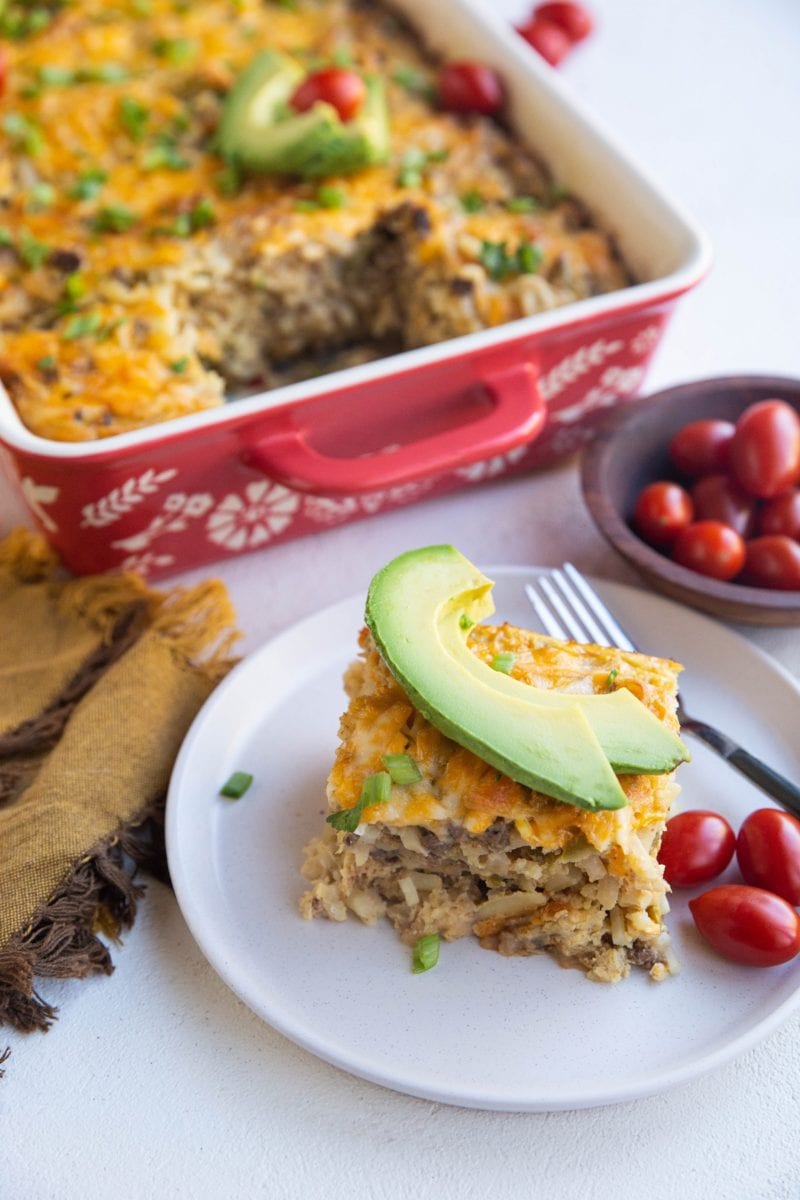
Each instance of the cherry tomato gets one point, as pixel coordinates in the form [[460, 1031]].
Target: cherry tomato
[[547, 38], [773, 562], [701, 447], [710, 548], [781, 515], [343, 89], [574, 19], [747, 924], [470, 87], [765, 450], [768, 852], [662, 510], [696, 846], [718, 498]]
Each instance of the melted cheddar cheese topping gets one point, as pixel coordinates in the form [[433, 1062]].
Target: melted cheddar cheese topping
[[457, 786], [111, 188]]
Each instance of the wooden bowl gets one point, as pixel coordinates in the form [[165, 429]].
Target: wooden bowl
[[631, 450]]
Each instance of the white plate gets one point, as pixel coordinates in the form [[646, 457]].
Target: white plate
[[480, 1030]]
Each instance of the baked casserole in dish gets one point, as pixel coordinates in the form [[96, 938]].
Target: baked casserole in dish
[[450, 308], [145, 272]]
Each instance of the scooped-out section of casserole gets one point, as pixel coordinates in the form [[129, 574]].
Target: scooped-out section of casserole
[[144, 273]]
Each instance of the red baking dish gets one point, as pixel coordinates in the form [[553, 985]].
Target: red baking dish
[[330, 450]]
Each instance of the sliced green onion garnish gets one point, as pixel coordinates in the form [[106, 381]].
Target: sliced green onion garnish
[[426, 953], [402, 769], [331, 197], [503, 662], [465, 622], [133, 117], [612, 680], [376, 789], [237, 785], [522, 204], [472, 202], [529, 257], [179, 365], [81, 325]]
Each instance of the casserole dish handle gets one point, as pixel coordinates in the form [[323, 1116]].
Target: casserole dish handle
[[516, 417]]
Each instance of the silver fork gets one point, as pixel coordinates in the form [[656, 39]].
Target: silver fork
[[569, 607]]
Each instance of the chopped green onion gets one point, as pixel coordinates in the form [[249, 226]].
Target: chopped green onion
[[40, 197], [331, 197], [465, 622], [47, 363], [110, 329], [177, 51], [113, 218], [228, 181], [472, 202], [103, 73], [529, 257], [21, 20], [24, 133], [166, 155], [32, 252], [425, 954], [500, 263], [375, 789], [81, 325], [342, 57], [179, 365], [503, 662], [612, 678], [202, 215], [88, 183], [74, 288], [5, 237], [402, 769], [237, 785], [414, 162], [415, 82], [55, 76], [522, 204], [133, 117], [494, 258]]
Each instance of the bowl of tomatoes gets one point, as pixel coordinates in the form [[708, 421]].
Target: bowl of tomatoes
[[698, 487]]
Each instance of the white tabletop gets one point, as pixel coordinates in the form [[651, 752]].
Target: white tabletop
[[157, 1081]]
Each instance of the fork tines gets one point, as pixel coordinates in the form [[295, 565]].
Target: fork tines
[[569, 607]]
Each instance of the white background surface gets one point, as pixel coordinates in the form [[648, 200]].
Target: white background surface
[[157, 1082]]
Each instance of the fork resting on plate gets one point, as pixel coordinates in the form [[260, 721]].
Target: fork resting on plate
[[569, 607]]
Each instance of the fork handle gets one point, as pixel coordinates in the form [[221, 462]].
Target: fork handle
[[769, 780]]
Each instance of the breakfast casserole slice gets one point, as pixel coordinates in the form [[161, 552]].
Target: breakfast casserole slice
[[461, 848]]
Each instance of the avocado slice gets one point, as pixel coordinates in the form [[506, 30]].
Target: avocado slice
[[259, 131], [414, 611]]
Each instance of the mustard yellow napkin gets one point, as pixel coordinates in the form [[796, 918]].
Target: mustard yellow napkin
[[100, 679]]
